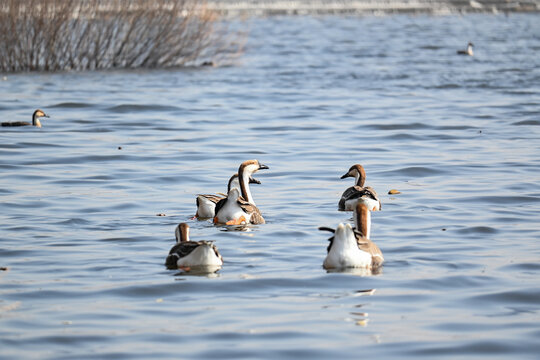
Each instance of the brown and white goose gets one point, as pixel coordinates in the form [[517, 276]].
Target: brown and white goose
[[239, 208], [35, 120], [187, 254], [358, 192], [206, 203], [350, 248]]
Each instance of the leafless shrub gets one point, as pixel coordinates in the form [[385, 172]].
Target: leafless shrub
[[55, 35]]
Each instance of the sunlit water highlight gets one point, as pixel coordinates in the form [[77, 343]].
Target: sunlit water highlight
[[458, 136]]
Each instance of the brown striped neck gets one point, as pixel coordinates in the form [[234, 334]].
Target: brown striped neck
[[182, 233], [246, 169], [244, 174], [362, 219], [244, 188], [360, 176]]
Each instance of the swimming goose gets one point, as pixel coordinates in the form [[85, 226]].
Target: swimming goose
[[187, 254], [469, 50], [206, 203], [35, 120], [236, 209], [349, 248], [358, 192]]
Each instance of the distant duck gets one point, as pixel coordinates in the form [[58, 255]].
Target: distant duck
[[350, 248], [206, 203], [239, 208], [469, 50], [358, 192], [35, 120], [187, 254]]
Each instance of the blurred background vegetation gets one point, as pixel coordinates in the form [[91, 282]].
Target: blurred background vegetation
[[60, 35]]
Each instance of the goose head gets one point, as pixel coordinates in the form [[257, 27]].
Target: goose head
[[246, 169], [36, 116], [234, 182], [356, 171], [250, 166]]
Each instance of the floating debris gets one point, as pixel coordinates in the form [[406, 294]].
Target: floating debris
[[10, 307], [161, 214], [394, 192], [362, 322], [367, 292]]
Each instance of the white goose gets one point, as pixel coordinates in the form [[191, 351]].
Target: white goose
[[349, 248], [206, 203], [358, 192], [187, 254], [236, 209]]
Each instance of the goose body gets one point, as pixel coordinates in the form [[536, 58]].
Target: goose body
[[238, 208], [35, 120], [206, 203], [469, 50], [187, 254], [358, 193], [350, 248]]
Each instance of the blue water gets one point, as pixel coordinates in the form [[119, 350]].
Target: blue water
[[310, 96]]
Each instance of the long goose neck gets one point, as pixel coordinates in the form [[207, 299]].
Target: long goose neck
[[362, 220], [35, 121], [360, 179], [182, 233], [243, 177], [233, 182]]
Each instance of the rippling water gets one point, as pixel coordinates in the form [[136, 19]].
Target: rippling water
[[458, 136]]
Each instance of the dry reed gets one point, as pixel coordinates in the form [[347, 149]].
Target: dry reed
[[57, 35]]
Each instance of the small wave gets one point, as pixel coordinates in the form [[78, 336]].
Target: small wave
[[83, 122], [411, 126], [404, 136], [468, 348], [478, 230], [416, 171], [529, 266], [42, 145], [527, 122], [507, 298], [71, 105], [288, 128], [445, 87], [501, 200], [458, 127], [127, 108], [74, 221], [431, 47]]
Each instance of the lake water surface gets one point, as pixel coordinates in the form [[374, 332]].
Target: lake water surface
[[458, 136]]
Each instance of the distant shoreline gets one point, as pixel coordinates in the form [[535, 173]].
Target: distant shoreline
[[370, 7]]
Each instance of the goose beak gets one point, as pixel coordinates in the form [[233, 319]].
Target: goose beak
[[262, 166], [254, 181], [345, 176]]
